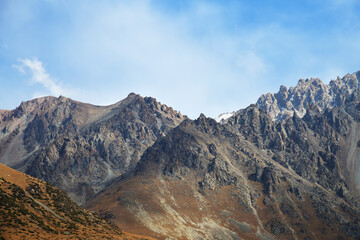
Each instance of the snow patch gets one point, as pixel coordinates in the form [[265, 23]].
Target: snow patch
[[224, 116]]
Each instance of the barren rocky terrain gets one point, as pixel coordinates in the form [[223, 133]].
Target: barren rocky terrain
[[79, 147], [286, 167]]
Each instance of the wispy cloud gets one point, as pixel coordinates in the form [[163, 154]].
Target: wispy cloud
[[39, 75]]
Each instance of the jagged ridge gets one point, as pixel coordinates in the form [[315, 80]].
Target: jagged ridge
[[286, 102], [80, 147]]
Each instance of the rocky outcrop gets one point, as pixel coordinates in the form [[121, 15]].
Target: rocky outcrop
[[283, 104], [320, 147]]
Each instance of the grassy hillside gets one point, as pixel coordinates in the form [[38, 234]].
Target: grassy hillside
[[33, 209]]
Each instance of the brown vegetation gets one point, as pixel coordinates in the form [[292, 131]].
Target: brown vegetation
[[32, 209]]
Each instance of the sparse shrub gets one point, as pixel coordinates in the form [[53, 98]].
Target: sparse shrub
[[35, 190]]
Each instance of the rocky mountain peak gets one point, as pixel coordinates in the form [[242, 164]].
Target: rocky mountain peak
[[283, 104], [138, 102], [80, 147], [157, 106], [349, 81]]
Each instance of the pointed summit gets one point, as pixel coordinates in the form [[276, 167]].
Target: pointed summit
[[81, 147], [283, 104]]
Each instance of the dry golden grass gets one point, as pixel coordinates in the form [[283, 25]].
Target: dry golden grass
[[31, 209]]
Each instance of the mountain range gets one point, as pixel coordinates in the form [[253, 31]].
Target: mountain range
[[286, 167]]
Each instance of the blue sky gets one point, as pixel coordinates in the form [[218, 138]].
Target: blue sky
[[196, 56]]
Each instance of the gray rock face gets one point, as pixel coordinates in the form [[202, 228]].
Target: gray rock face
[[79, 147], [286, 102], [286, 180], [298, 177]]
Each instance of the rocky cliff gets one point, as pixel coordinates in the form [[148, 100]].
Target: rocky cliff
[[283, 104]]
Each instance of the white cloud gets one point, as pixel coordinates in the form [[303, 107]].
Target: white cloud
[[39, 75], [20, 68]]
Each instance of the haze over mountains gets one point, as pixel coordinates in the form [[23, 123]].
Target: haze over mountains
[[286, 167]]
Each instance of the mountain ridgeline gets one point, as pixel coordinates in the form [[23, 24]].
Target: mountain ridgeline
[[283, 104], [286, 167], [78, 147]]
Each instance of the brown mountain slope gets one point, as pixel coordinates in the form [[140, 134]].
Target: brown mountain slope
[[32, 209], [205, 180], [79, 147]]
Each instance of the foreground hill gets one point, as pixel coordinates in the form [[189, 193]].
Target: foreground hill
[[79, 147], [33, 209]]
